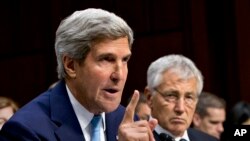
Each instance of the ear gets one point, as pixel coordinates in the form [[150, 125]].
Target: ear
[[196, 120], [69, 66], [148, 95]]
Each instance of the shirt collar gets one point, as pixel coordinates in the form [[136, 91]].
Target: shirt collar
[[83, 115], [160, 130], [185, 136]]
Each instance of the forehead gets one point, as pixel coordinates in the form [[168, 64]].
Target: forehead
[[173, 81], [108, 45], [216, 112]]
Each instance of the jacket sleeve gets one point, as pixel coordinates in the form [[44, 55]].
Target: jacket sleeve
[[20, 132]]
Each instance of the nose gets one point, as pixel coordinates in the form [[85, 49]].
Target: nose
[[179, 106], [117, 73], [115, 77], [220, 128]]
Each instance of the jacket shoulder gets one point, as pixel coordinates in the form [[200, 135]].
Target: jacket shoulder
[[196, 135]]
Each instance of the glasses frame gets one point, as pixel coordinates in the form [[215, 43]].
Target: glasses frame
[[190, 104]]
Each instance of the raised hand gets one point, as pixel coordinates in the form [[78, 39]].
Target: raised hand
[[130, 130]]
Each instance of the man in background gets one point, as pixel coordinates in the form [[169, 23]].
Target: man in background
[[142, 109], [173, 86], [210, 114]]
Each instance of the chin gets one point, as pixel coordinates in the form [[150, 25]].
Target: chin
[[110, 107]]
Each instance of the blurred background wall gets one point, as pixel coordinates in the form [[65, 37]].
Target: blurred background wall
[[214, 34]]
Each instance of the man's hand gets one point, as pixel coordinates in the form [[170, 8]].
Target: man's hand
[[135, 131]]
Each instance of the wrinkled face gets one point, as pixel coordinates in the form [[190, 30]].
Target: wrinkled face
[[100, 79], [173, 103], [143, 111], [213, 122], [5, 114]]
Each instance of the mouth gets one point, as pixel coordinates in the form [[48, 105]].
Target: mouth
[[178, 120], [111, 90]]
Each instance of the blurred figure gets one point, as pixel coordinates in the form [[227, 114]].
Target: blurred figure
[[173, 86], [142, 109], [210, 114], [241, 113], [7, 108]]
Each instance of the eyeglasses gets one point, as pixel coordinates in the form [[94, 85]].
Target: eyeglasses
[[173, 97]]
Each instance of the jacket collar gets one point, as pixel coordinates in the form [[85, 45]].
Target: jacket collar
[[63, 115]]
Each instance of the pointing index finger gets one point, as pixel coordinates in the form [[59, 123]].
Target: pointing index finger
[[130, 109]]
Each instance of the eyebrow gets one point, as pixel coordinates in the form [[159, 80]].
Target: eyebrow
[[177, 92], [111, 54], [105, 54]]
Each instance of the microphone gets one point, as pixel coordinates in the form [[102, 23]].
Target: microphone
[[166, 137]]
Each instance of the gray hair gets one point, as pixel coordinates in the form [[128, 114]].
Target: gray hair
[[83, 29], [179, 64]]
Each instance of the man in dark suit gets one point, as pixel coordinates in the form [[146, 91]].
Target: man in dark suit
[[173, 86], [210, 114], [93, 47]]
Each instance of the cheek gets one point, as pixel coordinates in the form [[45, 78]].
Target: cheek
[[209, 127], [161, 108], [190, 114], [97, 75], [123, 74], [92, 82], [154, 103]]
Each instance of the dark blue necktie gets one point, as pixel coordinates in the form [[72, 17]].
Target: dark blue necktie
[[95, 127], [183, 140]]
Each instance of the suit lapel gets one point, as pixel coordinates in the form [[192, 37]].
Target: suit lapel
[[113, 121], [64, 133], [63, 115], [192, 136], [156, 136]]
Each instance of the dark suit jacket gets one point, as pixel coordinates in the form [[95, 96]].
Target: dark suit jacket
[[194, 135], [50, 117]]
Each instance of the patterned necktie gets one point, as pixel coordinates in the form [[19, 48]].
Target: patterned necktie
[[95, 127]]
